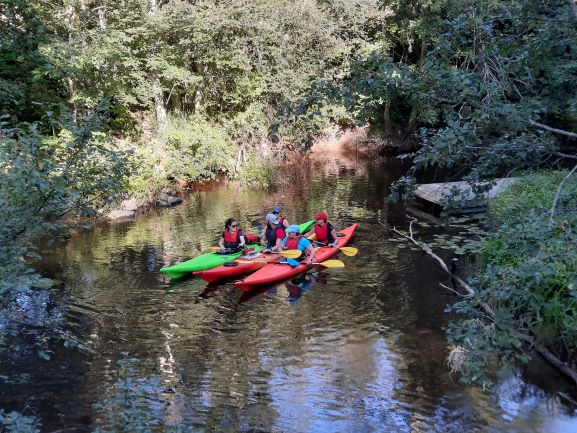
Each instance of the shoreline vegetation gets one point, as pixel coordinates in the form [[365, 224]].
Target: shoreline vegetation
[[101, 101]]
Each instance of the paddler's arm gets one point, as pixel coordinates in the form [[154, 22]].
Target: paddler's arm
[[336, 238], [278, 246], [221, 243], [311, 252], [242, 242]]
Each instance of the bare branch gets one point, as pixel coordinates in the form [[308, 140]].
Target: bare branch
[[557, 194], [444, 286], [554, 130], [566, 155], [541, 349]]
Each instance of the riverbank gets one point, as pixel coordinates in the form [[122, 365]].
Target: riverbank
[[277, 166]]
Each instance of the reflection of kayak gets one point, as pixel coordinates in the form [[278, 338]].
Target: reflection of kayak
[[244, 265], [201, 263], [272, 273]]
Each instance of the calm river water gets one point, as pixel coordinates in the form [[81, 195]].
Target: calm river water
[[359, 349]]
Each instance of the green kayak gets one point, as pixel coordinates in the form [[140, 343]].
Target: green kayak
[[212, 260]]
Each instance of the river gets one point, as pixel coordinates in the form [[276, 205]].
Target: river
[[359, 349]]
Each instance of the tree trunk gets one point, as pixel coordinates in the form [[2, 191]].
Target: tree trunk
[[413, 116], [159, 108], [387, 119], [152, 7], [101, 9], [197, 100]]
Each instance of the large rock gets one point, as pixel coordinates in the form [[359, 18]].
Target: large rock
[[165, 200], [169, 191], [130, 204], [118, 215]]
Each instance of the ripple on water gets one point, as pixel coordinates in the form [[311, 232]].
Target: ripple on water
[[360, 349]]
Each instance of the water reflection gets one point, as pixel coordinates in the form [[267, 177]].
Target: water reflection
[[356, 349]]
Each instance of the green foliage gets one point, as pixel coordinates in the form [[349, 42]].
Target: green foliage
[[256, 172], [14, 422], [196, 149], [43, 178], [528, 275]]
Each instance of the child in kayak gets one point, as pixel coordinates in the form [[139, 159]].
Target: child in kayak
[[232, 238], [294, 241], [272, 235], [324, 231]]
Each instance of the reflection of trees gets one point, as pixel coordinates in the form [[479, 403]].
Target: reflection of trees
[[364, 350]]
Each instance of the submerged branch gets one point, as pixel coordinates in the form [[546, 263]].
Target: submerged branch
[[541, 349]]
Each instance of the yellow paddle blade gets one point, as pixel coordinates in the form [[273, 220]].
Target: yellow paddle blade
[[312, 237], [349, 251], [213, 248], [291, 254], [332, 264]]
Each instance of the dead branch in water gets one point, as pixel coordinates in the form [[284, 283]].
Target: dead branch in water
[[541, 349]]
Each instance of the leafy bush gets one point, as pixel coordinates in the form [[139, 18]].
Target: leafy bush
[[14, 422], [196, 149], [528, 275], [256, 172], [42, 178]]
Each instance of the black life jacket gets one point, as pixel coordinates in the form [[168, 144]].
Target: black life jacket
[[271, 237]]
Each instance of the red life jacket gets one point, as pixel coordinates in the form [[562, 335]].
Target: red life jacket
[[281, 220], [324, 233], [292, 244], [250, 238], [229, 237]]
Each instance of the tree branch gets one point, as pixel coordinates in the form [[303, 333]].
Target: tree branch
[[541, 349], [557, 194], [553, 130], [566, 155]]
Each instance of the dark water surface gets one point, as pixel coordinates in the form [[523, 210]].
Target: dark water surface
[[359, 349]]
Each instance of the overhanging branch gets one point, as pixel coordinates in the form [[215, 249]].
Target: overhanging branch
[[541, 349]]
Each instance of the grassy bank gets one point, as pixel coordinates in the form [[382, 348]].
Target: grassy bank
[[527, 273]]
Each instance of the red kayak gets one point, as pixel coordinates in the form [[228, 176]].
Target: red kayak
[[271, 273], [241, 266], [246, 263]]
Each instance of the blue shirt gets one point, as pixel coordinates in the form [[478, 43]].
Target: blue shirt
[[304, 243]]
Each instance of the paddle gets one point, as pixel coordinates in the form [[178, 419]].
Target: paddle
[[326, 263], [347, 251], [291, 254], [293, 262]]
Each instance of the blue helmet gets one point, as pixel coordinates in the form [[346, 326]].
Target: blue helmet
[[293, 229]]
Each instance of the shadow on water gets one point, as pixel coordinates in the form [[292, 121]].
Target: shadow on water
[[356, 349]]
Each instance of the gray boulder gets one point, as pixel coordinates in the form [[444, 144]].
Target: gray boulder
[[165, 200], [130, 204], [118, 215]]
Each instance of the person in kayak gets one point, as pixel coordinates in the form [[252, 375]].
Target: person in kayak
[[324, 231], [232, 238], [272, 235], [276, 210], [294, 241]]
